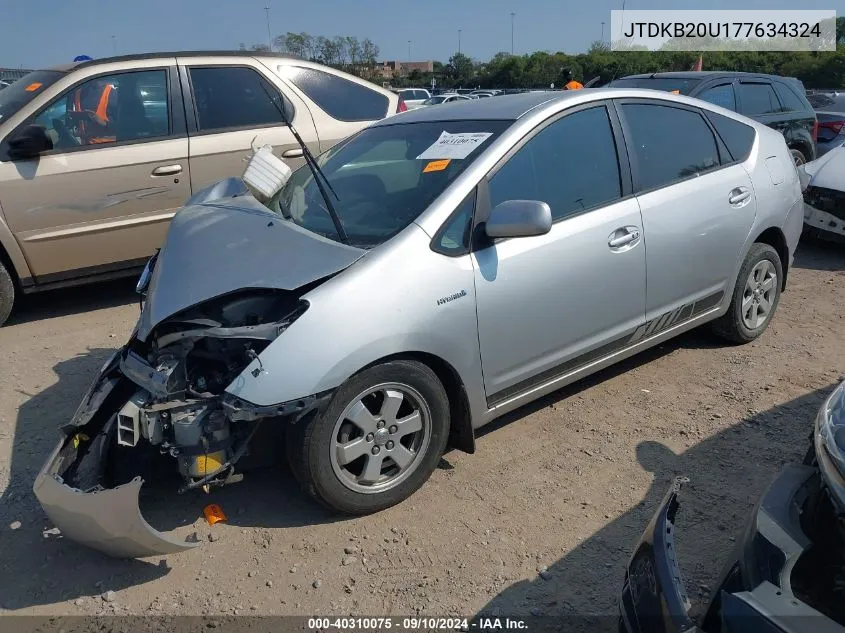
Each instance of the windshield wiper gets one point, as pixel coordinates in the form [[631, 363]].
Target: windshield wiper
[[319, 176]]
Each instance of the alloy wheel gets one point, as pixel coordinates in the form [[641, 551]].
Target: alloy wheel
[[759, 294]]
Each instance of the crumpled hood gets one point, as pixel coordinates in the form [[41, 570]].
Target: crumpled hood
[[829, 170], [230, 244]]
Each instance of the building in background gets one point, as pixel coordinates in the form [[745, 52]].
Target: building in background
[[391, 69]]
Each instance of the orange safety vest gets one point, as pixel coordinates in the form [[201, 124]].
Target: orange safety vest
[[573, 85]]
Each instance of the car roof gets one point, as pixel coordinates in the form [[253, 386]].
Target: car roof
[[701, 74], [163, 54], [505, 108]]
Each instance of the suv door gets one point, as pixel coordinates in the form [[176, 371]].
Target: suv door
[[697, 205], [232, 107], [551, 304], [101, 199]]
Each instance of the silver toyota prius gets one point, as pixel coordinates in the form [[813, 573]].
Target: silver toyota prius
[[431, 273]]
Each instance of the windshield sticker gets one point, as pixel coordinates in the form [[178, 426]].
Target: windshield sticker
[[33, 87], [436, 165], [450, 146]]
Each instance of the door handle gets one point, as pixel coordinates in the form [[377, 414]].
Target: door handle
[[293, 153], [622, 240], [167, 170], [740, 194]]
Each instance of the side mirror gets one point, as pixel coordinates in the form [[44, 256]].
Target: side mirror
[[519, 218], [30, 142]]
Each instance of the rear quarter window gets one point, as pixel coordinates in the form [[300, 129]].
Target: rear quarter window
[[757, 99], [790, 101], [340, 98], [737, 137]]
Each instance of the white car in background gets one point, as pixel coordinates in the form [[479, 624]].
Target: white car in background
[[823, 183], [445, 98], [414, 97]]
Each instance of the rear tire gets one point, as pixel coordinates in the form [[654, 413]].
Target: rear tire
[[755, 298], [7, 293], [378, 440], [798, 157]]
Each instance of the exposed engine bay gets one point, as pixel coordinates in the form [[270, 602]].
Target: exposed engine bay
[[165, 397]]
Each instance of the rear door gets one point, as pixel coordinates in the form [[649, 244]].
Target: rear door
[[100, 203], [233, 105], [697, 205]]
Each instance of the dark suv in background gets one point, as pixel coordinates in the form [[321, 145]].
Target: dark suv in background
[[779, 102]]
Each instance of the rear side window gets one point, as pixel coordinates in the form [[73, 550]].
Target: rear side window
[[790, 101], [571, 164], [757, 99], [340, 98], [721, 95], [669, 143], [229, 97], [737, 136]]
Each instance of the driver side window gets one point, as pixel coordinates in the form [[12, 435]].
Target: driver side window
[[111, 109]]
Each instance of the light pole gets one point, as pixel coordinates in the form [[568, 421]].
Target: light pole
[[459, 41], [269, 36], [409, 50], [512, 17], [602, 31], [113, 45]]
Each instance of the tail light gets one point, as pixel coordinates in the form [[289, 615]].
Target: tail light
[[833, 126], [401, 107], [815, 131]]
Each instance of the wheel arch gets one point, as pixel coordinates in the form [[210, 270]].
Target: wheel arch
[[774, 237], [461, 433], [11, 255]]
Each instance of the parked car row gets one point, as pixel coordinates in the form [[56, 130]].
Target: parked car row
[[476, 209], [96, 157]]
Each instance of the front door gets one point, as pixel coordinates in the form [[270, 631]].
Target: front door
[[550, 304], [102, 198], [234, 108]]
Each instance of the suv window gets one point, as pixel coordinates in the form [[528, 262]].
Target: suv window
[[340, 98], [791, 102], [757, 99], [228, 97], [127, 106], [571, 164], [737, 136], [669, 143], [721, 95]]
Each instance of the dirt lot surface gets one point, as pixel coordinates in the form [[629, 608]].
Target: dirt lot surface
[[540, 520]]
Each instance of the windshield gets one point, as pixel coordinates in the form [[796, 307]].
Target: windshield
[[385, 177], [667, 84], [25, 89]]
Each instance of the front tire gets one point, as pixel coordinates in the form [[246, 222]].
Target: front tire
[[7, 293], [797, 157], [756, 296], [378, 440]]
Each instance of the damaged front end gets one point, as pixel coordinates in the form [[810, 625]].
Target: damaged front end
[[165, 396]]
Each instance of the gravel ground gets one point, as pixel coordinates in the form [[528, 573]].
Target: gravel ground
[[540, 520]]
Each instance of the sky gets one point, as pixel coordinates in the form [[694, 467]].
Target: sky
[[39, 33]]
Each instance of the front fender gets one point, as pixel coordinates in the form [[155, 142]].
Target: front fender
[[401, 298], [10, 245]]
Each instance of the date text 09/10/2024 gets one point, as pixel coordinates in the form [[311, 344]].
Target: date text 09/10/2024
[[416, 624]]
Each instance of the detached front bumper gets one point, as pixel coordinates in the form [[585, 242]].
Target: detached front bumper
[[754, 592], [105, 519]]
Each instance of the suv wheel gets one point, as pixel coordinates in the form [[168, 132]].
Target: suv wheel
[[755, 297], [7, 293], [378, 440], [798, 157]]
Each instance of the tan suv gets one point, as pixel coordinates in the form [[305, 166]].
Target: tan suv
[[96, 157]]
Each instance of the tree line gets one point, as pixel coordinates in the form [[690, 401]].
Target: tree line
[[542, 69]]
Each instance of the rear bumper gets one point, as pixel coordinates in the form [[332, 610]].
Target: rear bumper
[[754, 592]]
